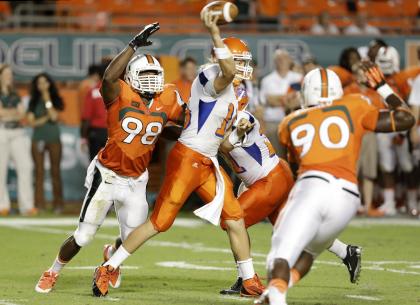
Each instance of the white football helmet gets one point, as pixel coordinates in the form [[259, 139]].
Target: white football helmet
[[145, 83], [388, 60], [320, 86]]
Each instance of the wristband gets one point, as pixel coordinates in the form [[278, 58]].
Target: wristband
[[133, 45], [385, 91], [48, 104], [222, 53], [234, 138]]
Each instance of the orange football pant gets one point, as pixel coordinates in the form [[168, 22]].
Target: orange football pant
[[267, 196], [188, 171]]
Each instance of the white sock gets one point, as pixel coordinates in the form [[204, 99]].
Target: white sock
[[338, 248], [275, 296], [111, 251], [57, 265], [246, 269], [117, 259], [238, 270], [412, 199], [389, 195]]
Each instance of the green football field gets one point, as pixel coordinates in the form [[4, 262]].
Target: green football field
[[190, 263]]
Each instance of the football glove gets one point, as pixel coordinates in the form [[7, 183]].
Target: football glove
[[142, 38], [374, 75]]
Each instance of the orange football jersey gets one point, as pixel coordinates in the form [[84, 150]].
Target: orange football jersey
[[374, 96], [404, 80], [328, 138], [133, 129]]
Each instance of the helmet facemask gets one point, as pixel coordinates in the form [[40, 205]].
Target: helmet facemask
[[243, 66], [147, 80]]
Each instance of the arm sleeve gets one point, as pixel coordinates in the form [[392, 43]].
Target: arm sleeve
[[206, 79], [414, 98], [177, 108], [369, 116]]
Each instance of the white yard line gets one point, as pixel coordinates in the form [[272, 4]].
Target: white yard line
[[363, 297], [72, 221], [185, 265], [93, 267], [10, 302]]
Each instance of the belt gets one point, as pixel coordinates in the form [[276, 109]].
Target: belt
[[328, 181], [10, 125]]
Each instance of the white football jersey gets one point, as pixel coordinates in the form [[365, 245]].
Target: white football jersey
[[255, 157], [209, 114]]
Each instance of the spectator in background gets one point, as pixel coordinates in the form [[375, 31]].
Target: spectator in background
[[92, 79], [14, 145], [324, 25], [276, 91], [361, 27], [93, 131], [188, 72], [44, 105]]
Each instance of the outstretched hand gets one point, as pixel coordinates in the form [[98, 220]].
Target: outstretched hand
[[374, 75], [142, 38], [210, 22]]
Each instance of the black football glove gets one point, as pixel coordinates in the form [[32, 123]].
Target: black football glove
[[142, 38]]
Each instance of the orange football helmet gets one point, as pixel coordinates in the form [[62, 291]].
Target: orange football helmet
[[241, 55]]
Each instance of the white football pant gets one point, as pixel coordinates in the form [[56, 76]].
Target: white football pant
[[105, 188], [319, 207]]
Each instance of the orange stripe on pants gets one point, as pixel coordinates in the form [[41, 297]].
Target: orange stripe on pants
[[188, 171], [266, 197]]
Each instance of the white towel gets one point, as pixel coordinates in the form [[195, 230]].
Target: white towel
[[90, 173], [212, 210]]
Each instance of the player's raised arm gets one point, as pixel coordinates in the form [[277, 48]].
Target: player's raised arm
[[398, 117], [110, 87], [221, 52]]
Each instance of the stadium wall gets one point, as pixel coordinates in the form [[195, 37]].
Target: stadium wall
[[67, 56]]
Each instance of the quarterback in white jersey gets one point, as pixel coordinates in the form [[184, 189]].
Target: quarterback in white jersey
[[192, 166]]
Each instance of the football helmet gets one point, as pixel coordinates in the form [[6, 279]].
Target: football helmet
[[145, 75], [388, 60], [320, 86], [241, 55]]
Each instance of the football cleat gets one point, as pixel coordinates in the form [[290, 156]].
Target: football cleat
[[252, 287], [353, 262], [101, 280], [115, 277], [234, 289], [46, 282]]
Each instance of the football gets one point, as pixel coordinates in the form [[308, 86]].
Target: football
[[227, 11]]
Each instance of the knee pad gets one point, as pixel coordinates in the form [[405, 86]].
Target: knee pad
[[84, 233], [161, 226]]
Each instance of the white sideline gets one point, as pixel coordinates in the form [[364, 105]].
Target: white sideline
[[9, 302]]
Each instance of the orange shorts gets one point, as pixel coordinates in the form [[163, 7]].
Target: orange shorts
[[267, 196], [188, 171]]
